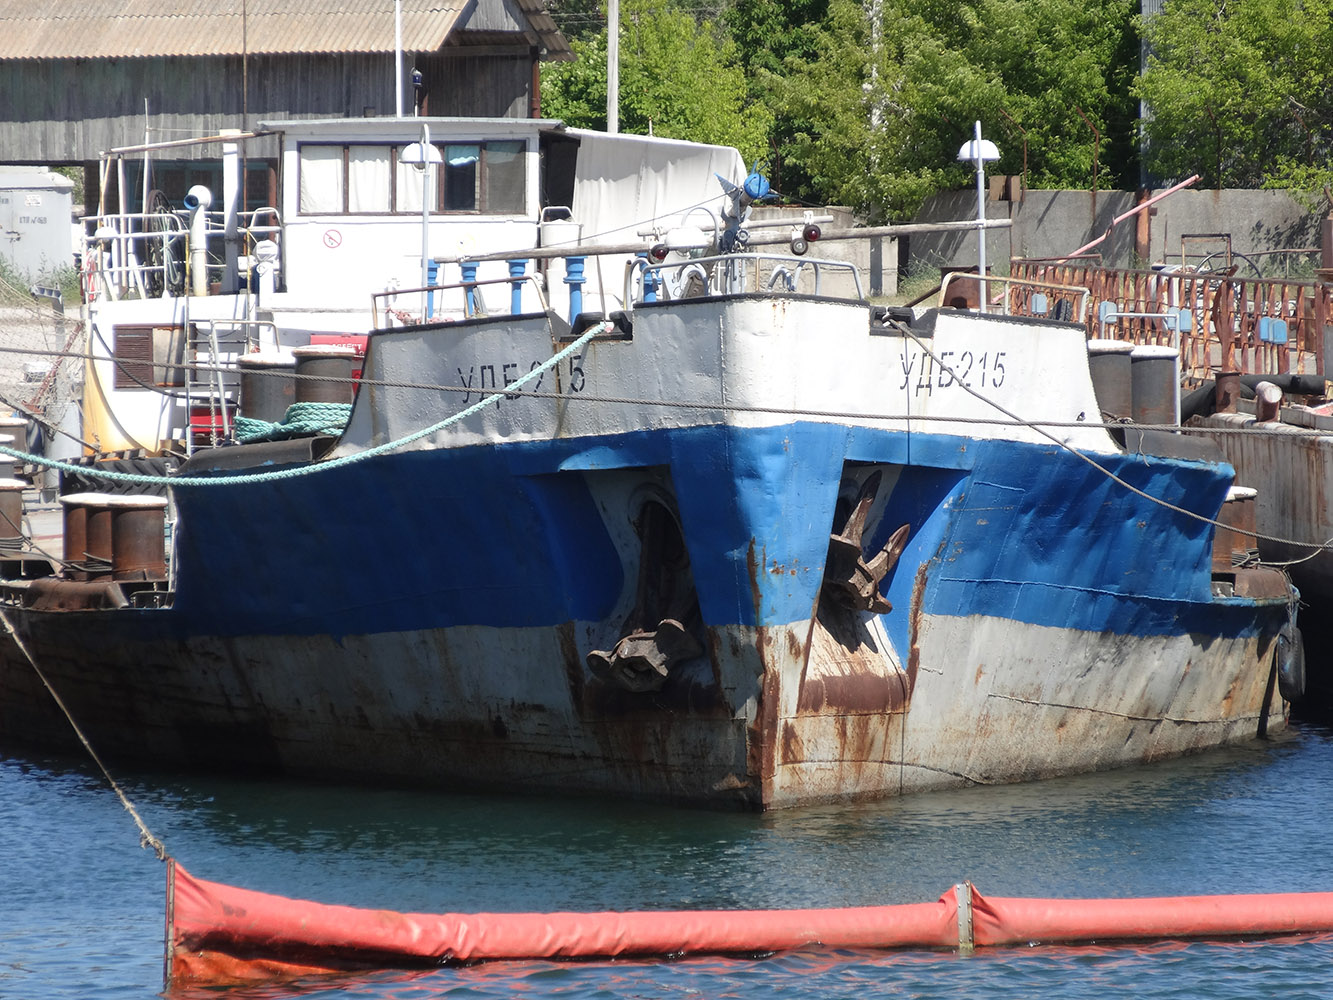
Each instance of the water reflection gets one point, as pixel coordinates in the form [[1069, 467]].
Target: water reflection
[[84, 904], [1201, 970]]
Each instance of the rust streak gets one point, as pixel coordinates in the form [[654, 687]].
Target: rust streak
[[753, 562], [854, 694], [569, 652], [914, 628], [792, 750], [762, 753]]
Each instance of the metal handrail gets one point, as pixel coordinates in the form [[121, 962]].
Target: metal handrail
[[1082, 292], [1225, 315], [736, 273], [469, 303], [110, 240]]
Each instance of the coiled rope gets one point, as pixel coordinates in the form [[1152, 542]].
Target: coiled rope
[[300, 418], [178, 482], [516, 388]]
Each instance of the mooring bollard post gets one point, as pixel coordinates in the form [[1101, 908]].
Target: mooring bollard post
[[516, 271], [469, 269], [650, 278], [574, 279]]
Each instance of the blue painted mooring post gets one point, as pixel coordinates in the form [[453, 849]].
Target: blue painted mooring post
[[469, 269], [574, 279], [516, 269], [432, 273], [650, 278]]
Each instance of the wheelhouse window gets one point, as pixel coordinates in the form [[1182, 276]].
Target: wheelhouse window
[[484, 178]]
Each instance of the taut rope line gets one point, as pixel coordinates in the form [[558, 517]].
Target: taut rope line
[[146, 837], [515, 388], [1175, 508]]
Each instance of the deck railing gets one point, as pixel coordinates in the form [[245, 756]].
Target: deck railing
[[1249, 325]]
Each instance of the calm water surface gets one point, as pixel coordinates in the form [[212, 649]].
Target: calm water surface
[[81, 905]]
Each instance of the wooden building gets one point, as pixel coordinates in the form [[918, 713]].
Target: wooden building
[[79, 78]]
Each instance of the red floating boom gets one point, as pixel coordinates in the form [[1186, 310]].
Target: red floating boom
[[220, 934]]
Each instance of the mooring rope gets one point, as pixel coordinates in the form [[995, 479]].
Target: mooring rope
[[516, 388], [1038, 428], [177, 482], [300, 418], [146, 837]]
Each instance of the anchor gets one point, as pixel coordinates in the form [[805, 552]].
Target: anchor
[[849, 578], [643, 656], [641, 660]]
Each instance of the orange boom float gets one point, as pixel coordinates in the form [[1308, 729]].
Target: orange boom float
[[221, 934]]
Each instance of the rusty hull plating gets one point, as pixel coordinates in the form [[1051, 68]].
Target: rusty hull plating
[[710, 606]]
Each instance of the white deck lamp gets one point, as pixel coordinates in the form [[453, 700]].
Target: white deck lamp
[[979, 150], [423, 155]]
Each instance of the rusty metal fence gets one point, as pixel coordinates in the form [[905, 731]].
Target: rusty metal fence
[[1219, 321]]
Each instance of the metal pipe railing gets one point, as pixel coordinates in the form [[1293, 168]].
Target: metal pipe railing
[[1250, 325]]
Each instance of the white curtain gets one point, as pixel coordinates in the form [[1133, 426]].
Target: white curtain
[[369, 170], [410, 180], [321, 179]]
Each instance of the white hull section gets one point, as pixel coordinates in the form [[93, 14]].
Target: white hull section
[[979, 701]]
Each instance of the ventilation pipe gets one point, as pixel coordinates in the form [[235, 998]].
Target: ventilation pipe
[[197, 200]]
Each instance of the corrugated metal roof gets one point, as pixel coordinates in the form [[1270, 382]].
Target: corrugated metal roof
[[553, 39], [109, 29]]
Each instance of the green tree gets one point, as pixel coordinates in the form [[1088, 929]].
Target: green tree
[[679, 78], [886, 104], [768, 34], [1239, 91], [869, 138], [578, 20], [1064, 68]]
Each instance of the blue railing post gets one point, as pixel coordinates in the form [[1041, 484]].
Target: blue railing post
[[469, 269], [516, 269], [650, 278], [574, 279], [432, 273]]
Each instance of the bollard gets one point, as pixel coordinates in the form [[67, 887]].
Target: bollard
[[1238, 511], [10, 466], [1267, 402], [97, 550], [74, 552], [17, 430], [1112, 382], [267, 385], [1226, 391], [516, 270], [11, 514], [325, 361], [138, 538]]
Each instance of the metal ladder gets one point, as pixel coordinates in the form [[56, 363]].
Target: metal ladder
[[212, 382]]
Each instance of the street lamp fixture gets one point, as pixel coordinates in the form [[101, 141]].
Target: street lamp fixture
[[423, 155], [978, 151]]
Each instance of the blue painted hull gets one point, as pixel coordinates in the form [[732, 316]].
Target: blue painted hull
[[510, 537], [436, 615]]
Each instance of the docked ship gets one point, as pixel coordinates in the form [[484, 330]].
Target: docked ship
[[714, 530]]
